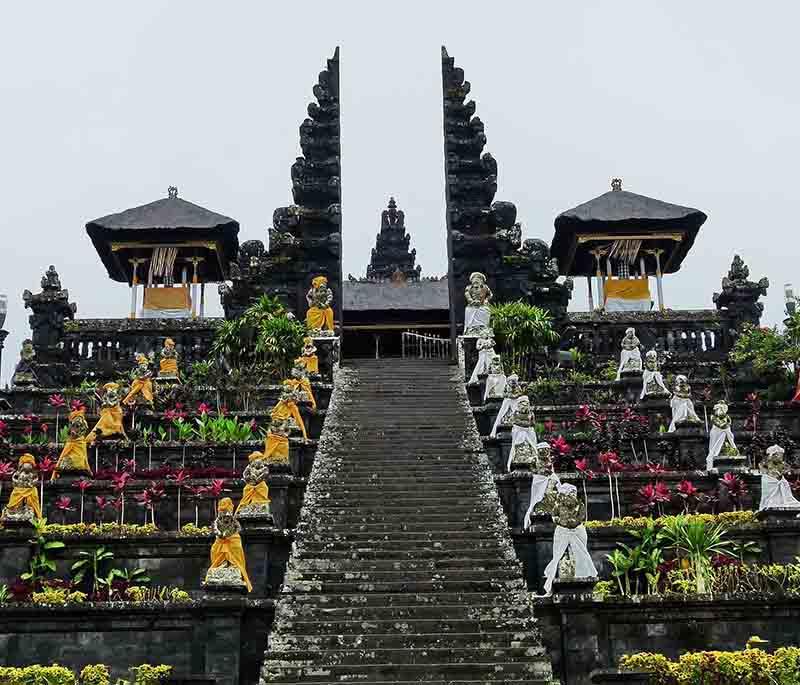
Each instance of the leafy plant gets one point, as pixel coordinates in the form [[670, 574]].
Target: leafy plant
[[41, 564], [770, 352], [58, 596], [521, 329], [93, 566], [698, 543]]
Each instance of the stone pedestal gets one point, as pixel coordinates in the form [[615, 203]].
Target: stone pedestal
[[730, 464], [469, 348], [574, 586], [630, 384], [328, 355], [777, 514]]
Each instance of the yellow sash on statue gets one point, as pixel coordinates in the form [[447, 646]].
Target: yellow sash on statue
[[254, 494], [73, 457], [319, 319], [311, 363], [29, 496], [168, 367], [305, 385], [276, 448], [143, 386], [230, 550], [110, 422], [285, 410]]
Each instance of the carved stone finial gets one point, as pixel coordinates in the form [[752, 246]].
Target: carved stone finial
[[739, 296], [172, 192], [616, 184], [392, 203]]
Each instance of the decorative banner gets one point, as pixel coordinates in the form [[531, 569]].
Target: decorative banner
[[627, 295], [167, 303]]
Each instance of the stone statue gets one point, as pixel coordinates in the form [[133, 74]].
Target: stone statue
[[319, 318], [739, 296], [110, 422], [255, 496], [168, 364], [682, 406], [23, 504], [652, 380], [286, 409], [511, 397], [51, 280], [523, 436], [544, 484], [276, 444], [301, 383], [142, 385], [496, 380], [630, 359], [720, 438], [485, 347], [309, 357], [74, 458], [776, 493], [569, 538], [24, 373], [478, 296], [228, 567]]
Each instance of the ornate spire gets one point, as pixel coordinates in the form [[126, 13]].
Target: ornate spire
[[391, 254], [305, 238]]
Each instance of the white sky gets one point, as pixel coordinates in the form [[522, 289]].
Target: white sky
[[106, 104]]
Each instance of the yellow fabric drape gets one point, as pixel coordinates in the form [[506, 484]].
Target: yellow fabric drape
[[319, 319], [288, 409], [110, 422], [74, 457], [168, 367], [627, 288], [276, 448], [29, 496], [305, 385], [143, 386], [230, 550], [311, 363], [254, 494], [167, 298]]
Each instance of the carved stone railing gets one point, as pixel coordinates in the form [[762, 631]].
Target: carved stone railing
[[705, 334], [104, 347]]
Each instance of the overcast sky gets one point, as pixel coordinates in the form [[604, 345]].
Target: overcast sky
[[106, 104]]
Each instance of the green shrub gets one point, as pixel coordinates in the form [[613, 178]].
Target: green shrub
[[37, 675], [95, 675]]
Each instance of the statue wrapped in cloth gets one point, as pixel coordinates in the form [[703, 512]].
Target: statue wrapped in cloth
[[287, 410], [301, 383], [110, 422], [309, 358], [319, 318], [23, 505], [228, 566], [276, 445], [168, 364], [255, 495], [74, 457], [142, 386]]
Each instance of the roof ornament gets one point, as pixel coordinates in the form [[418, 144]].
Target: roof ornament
[[172, 192], [616, 184]]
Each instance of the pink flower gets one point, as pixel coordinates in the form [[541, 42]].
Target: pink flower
[[3, 429], [43, 428], [75, 405], [608, 460], [687, 489], [46, 465], [63, 504], [120, 481], [83, 484], [57, 401], [560, 446], [203, 408], [6, 469], [655, 468], [180, 477], [662, 492]]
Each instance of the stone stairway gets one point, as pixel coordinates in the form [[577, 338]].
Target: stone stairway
[[402, 569]]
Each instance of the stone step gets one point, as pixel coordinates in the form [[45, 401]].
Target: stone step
[[422, 655], [452, 499], [490, 672], [404, 641], [335, 555], [399, 526], [399, 536], [317, 546], [406, 599], [410, 612], [427, 682], [400, 586], [415, 627], [406, 575], [349, 518], [429, 565]]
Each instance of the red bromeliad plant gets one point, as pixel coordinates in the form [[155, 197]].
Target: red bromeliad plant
[[216, 489], [180, 479], [609, 462], [63, 505], [83, 485], [58, 403], [196, 494], [6, 471], [753, 400], [689, 494], [652, 497], [144, 499], [735, 488], [582, 465], [119, 483]]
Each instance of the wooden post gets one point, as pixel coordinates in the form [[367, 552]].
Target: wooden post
[[591, 299], [600, 298], [202, 300], [659, 285]]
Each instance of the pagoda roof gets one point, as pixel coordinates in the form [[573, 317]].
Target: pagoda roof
[[618, 214], [168, 221]]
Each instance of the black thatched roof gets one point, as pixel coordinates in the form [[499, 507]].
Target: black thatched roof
[[619, 213], [166, 221]]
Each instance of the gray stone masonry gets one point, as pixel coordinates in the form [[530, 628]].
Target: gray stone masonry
[[403, 569]]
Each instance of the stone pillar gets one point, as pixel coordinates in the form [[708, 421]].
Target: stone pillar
[[3, 336], [223, 648]]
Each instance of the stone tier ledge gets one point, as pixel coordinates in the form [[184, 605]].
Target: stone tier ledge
[[156, 326], [655, 316]]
